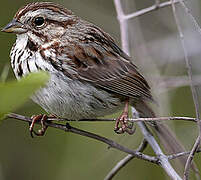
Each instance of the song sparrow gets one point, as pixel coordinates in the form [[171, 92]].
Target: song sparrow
[[90, 76]]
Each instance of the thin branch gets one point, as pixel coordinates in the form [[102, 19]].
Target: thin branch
[[130, 120], [161, 160], [190, 158], [164, 163], [123, 19], [193, 90], [148, 10], [188, 63], [125, 161], [198, 140], [174, 156], [141, 147], [177, 155], [123, 26], [191, 16], [112, 144], [163, 119]]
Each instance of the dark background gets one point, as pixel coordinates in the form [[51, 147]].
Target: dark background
[[155, 45]]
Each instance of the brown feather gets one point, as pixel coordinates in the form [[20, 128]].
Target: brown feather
[[98, 60]]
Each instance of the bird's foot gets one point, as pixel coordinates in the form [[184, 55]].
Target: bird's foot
[[122, 125], [36, 118]]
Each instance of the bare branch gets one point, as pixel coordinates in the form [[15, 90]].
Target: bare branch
[[190, 158], [163, 119], [123, 26], [198, 140], [193, 89], [177, 155], [188, 63], [141, 147], [130, 120], [107, 141], [125, 161], [132, 154], [188, 12], [160, 159], [164, 163], [148, 10]]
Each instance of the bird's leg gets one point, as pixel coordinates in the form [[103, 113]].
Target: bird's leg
[[42, 118], [123, 121]]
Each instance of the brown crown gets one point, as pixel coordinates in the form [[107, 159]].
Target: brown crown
[[41, 5]]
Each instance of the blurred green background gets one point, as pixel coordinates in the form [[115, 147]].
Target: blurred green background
[[58, 155]]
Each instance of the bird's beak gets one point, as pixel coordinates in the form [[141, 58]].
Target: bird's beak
[[14, 27]]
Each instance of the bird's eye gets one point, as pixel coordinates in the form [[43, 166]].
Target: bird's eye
[[39, 21]]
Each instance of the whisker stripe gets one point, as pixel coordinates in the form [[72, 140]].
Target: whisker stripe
[[19, 57], [20, 70], [28, 66]]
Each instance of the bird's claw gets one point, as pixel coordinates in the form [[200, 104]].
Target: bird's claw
[[122, 125], [42, 118]]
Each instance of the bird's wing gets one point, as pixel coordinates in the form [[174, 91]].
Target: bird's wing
[[99, 61]]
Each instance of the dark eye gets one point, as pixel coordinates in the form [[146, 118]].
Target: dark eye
[[39, 21]]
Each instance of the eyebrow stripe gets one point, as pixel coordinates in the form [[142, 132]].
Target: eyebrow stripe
[[38, 5]]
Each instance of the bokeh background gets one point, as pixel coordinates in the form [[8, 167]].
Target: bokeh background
[[156, 48]]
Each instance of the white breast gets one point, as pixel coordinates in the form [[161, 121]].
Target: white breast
[[75, 100]]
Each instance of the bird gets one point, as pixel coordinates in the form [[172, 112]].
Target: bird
[[90, 75]]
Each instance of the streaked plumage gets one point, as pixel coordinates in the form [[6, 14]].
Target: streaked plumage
[[90, 75]]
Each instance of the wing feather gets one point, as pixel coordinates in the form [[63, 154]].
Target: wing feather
[[101, 62]]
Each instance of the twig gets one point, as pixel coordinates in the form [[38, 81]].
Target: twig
[[130, 120], [177, 155], [198, 140], [193, 90], [125, 161], [148, 10], [123, 26], [190, 158], [74, 130], [191, 16], [163, 119], [164, 163], [141, 147], [188, 63], [161, 159], [124, 23]]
